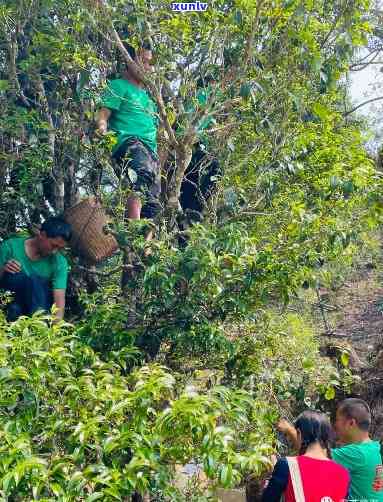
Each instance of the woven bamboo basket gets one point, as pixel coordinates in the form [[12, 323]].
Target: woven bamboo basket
[[88, 220]]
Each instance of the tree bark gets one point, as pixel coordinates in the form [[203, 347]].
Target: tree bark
[[183, 158], [348, 112], [57, 175]]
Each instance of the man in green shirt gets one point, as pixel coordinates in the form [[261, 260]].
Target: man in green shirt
[[357, 453], [34, 271], [128, 110]]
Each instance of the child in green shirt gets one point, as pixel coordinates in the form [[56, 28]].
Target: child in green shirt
[[128, 110]]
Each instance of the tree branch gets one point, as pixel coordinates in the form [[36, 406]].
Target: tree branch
[[363, 59], [13, 78], [364, 65], [105, 274], [334, 24], [254, 26], [362, 104], [57, 171]]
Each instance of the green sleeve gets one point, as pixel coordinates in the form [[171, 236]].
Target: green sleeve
[[202, 96], [112, 96], [5, 253], [60, 275], [350, 457]]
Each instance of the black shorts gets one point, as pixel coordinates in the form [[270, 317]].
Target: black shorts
[[138, 166]]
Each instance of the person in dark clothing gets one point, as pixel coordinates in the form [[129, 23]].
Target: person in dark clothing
[[199, 181], [34, 271], [319, 478], [201, 175]]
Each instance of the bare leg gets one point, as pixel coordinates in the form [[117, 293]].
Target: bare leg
[[133, 212], [133, 208]]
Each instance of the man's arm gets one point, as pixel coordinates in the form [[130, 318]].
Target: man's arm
[[102, 120], [289, 431], [59, 301], [7, 264]]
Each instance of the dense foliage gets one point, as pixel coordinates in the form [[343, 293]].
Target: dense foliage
[[75, 427]]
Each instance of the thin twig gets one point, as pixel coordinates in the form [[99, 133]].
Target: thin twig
[[105, 274], [379, 98], [322, 311]]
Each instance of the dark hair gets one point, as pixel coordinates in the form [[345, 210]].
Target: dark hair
[[131, 50], [357, 409], [314, 427], [57, 227], [147, 46]]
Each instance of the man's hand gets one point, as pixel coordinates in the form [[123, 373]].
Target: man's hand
[[102, 128], [12, 267], [274, 460]]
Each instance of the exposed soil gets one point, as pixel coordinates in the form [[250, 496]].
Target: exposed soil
[[361, 306], [355, 317], [352, 317]]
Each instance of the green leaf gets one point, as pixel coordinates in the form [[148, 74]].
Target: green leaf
[[348, 187], [7, 480], [320, 111], [245, 90], [224, 475], [330, 393], [345, 359], [132, 175], [83, 80], [4, 85], [335, 182], [95, 496], [238, 17], [5, 373], [113, 491]]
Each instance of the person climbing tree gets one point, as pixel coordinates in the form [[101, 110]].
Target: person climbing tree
[[200, 177], [128, 110], [34, 271]]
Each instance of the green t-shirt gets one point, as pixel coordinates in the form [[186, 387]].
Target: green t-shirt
[[53, 267], [134, 113], [364, 462]]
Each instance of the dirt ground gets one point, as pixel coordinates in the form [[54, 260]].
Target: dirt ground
[[359, 313], [354, 315]]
